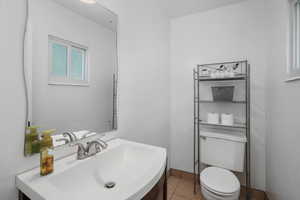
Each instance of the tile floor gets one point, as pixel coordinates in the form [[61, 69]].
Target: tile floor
[[182, 188]]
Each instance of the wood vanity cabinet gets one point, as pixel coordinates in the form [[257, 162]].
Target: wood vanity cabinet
[[159, 191], [22, 196]]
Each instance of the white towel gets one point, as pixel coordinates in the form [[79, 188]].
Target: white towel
[[83, 133], [58, 143]]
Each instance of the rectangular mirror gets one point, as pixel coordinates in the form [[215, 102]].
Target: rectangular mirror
[[70, 71]]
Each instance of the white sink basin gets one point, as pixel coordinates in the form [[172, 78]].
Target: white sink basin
[[135, 168]]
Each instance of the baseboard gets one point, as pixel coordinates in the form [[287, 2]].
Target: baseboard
[[257, 194]]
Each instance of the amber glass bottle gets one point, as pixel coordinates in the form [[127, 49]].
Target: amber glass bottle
[[47, 161]]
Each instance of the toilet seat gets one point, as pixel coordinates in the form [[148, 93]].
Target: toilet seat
[[220, 181]]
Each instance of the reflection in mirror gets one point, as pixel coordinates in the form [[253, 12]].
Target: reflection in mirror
[[71, 72]]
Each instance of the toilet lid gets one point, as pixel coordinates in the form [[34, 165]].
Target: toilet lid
[[219, 180]]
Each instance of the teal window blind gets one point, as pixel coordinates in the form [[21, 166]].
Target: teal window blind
[[77, 64], [59, 60]]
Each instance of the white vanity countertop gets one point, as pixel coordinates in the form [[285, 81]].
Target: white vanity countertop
[[134, 167]]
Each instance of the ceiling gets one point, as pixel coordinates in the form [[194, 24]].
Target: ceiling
[[178, 8], [94, 12], [173, 8]]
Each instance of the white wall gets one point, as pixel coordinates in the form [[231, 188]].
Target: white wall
[[282, 148], [230, 33], [72, 107], [143, 85], [143, 70], [12, 98]]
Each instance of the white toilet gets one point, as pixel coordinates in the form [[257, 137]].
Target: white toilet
[[224, 152]]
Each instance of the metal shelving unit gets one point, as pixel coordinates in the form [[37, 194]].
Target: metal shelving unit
[[210, 101], [236, 125], [198, 123], [239, 77]]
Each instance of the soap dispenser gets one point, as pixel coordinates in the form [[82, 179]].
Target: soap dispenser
[[32, 133], [32, 143]]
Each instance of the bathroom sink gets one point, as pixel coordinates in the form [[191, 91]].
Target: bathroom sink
[[130, 168]]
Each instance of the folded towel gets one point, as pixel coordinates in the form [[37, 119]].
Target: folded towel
[[58, 140], [83, 134]]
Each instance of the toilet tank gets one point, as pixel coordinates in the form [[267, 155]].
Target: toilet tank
[[225, 150]]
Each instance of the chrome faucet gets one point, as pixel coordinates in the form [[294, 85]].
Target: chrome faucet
[[81, 152], [72, 136], [85, 152], [86, 135], [97, 146]]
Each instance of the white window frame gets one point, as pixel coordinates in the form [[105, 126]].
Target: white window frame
[[67, 80], [293, 67]]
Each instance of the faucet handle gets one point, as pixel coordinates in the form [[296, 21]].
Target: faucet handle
[[97, 145], [104, 144], [81, 151], [71, 135]]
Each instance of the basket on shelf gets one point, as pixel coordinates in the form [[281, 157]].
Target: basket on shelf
[[223, 93]]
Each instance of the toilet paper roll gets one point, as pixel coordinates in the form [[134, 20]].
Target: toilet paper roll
[[213, 118], [227, 119]]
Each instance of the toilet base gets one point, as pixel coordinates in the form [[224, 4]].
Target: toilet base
[[208, 195]]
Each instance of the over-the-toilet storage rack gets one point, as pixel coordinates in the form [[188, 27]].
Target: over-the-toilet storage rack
[[244, 78]]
